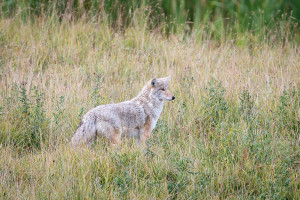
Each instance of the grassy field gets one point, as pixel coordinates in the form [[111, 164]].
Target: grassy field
[[231, 133]]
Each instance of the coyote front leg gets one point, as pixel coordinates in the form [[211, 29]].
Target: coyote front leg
[[145, 132], [115, 137]]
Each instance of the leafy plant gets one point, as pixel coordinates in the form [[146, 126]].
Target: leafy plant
[[215, 106], [288, 110], [32, 120], [247, 105]]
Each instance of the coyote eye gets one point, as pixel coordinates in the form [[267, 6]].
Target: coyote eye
[[163, 89]]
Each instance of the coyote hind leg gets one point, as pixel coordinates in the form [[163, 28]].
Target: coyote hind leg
[[108, 130]]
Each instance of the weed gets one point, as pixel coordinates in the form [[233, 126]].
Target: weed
[[247, 105], [25, 102], [124, 183], [1, 111], [58, 115], [96, 89], [81, 113], [37, 120], [248, 111], [215, 106], [176, 183], [288, 111], [32, 120]]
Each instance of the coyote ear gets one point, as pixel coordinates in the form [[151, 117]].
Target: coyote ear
[[168, 78], [154, 82]]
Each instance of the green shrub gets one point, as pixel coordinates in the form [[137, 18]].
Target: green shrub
[[288, 111], [215, 106], [30, 127]]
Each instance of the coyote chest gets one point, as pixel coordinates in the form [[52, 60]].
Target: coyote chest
[[137, 116], [157, 112]]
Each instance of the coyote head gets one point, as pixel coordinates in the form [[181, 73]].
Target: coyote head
[[159, 89]]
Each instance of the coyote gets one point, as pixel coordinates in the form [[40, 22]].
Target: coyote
[[134, 118]]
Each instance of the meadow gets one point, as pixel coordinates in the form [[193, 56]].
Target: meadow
[[231, 133]]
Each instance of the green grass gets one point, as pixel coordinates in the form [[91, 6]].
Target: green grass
[[231, 133]]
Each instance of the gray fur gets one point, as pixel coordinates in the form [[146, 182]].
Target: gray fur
[[134, 118]]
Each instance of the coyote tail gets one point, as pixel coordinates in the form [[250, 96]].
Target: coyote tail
[[85, 133]]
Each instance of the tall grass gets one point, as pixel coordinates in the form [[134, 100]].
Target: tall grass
[[232, 132], [215, 19]]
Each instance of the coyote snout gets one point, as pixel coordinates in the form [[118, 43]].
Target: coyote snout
[[134, 118]]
